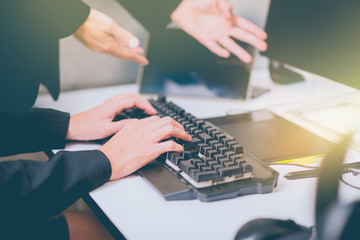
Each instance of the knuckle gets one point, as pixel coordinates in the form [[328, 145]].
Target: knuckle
[[168, 120]]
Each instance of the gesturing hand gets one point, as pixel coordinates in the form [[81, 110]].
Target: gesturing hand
[[213, 24], [101, 33], [97, 122], [139, 142]]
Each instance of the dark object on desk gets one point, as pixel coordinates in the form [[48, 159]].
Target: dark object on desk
[[270, 137], [328, 205], [349, 167], [333, 219], [213, 166], [281, 75], [180, 65], [319, 36], [267, 229]]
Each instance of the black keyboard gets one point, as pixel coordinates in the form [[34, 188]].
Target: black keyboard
[[213, 166]]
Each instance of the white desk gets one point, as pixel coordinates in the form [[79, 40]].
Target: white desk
[[139, 212]]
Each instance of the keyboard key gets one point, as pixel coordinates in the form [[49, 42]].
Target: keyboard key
[[189, 154], [177, 159], [191, 145], [199, 123], [205, 176], [222, 150], [205, 150], [185, 166], [211, 153], [212, 142], [247, 168], [205, 137], [197, 132], [217, 145], [237, 148], [230, 143], [222, 161], [200, 147], [220, 136], [229, 171], [217, 156]]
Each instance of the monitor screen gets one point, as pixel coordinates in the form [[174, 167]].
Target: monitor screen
[[180, 66], [318, 36]]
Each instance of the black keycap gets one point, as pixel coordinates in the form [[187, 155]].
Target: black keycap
[[229, 153], [205, 149], [237, 148], [229, 164], [211, 153], [215, 133], [170, 155], [240, 161], [205, 176], [192, 129], [177, 159], [226, 140], [196, 161], [217, 145], [205, 137], [201, 165], [206, 126], [230, 143], [199, 123], [218, 156], [197, 132], [235, 157], [220, 136], [212, 163], [216, 167], [222, 161], [222, 150], [212, 142], [191, 145], [200, 147], [247, 168], [229, 171], [207, 159], [120, 116], [161, 99], [210, 130], [185, 166], [189, 154], [206, 169]]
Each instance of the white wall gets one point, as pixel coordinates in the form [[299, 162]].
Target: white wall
[[82, 68]]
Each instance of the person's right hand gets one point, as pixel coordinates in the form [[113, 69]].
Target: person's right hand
[[213, 24], [102, 34], [140, 142]]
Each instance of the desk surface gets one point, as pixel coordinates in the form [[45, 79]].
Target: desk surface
[[139, 212]]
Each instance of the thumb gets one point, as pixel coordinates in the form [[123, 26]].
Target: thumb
[[124, 37], [225, 8]]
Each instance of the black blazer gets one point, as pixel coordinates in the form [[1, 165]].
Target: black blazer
[[35, 190], [29, 52], [30, 190]]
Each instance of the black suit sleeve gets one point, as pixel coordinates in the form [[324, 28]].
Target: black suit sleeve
[[37, 130], [36, 190]]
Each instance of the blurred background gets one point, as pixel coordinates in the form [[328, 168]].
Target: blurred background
[[83, 68]]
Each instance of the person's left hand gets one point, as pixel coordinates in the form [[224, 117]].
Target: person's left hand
[[213, 24], [102, 34], [97, 122]]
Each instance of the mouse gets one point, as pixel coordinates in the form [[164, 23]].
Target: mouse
[[269, 229]]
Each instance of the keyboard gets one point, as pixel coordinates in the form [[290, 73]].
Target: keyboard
[[213, 166]]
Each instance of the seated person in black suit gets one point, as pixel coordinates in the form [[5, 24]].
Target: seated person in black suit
[[32, 192]]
